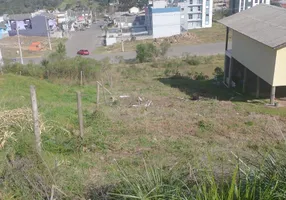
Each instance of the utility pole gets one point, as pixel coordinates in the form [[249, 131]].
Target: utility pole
[[48, 33], [122, 43], [19, 44], [1, 63]]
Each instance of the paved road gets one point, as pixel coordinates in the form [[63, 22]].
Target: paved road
[[202, 49], [92, 38], [89, 39]]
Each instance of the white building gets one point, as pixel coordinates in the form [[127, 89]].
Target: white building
[[134, 10], [163, 22], [236, 6], [196, 13]]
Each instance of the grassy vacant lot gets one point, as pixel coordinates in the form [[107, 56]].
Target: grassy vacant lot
[[214, 34], [172, 131], [9, 46]]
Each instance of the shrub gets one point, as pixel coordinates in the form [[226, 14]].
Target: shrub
[[164, 47], [192, 60], [200, 76], [218, 71], [69, 68], [146, 52]]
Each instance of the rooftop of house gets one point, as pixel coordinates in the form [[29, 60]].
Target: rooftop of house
[[263, 23], [20, 16]]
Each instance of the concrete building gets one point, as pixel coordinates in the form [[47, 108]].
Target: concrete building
[[257, 61], [163, 22], [236, 6], [196, 14], [28, 25]]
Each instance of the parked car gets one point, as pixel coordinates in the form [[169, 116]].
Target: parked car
[[83, 52]]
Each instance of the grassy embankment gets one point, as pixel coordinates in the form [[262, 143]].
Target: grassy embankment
[[188, 142]]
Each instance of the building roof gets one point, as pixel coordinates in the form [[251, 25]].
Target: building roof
[[263, 23], [20, 16]]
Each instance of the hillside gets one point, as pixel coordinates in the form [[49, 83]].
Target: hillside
[[149, 138], [26, 6]]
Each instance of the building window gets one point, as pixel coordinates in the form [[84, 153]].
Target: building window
[[182, 9], [207, 19], [191, 9], [207, 2], [199, 16], [191, 1], [256, 1], [199, 8], [207, 11], [200, 1], [190, 16]]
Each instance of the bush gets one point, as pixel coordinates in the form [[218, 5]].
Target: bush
[[146, 52], [164, 47], [200, 76], [25, 70], [192, 60], [69, 68], [218, 72]]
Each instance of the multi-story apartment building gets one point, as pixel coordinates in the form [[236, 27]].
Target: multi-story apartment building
[[236, 6], [196, 14]]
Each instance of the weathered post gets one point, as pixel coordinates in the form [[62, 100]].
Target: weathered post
[[37, 130], [97, 94], [80, 117], [80, 78], [272, 95]]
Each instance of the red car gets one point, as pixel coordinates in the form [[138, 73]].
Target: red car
[[83, 52]]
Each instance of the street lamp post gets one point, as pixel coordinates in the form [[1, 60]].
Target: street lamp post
[[48, 33], [19, 44]]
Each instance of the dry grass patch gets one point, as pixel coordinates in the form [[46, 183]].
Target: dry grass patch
[[174, 125]]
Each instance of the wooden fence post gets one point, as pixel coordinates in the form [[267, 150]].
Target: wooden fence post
[[80, 117], [35, 118], [97, 94], [80, 78]]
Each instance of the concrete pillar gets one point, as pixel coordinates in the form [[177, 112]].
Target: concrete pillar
[[257, 86], [230, 73], [272, 95], [224, 72], [244, 79], [226, 38]]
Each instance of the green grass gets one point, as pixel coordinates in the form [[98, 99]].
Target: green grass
[[216, 33], [171, 134], [56, 102]]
